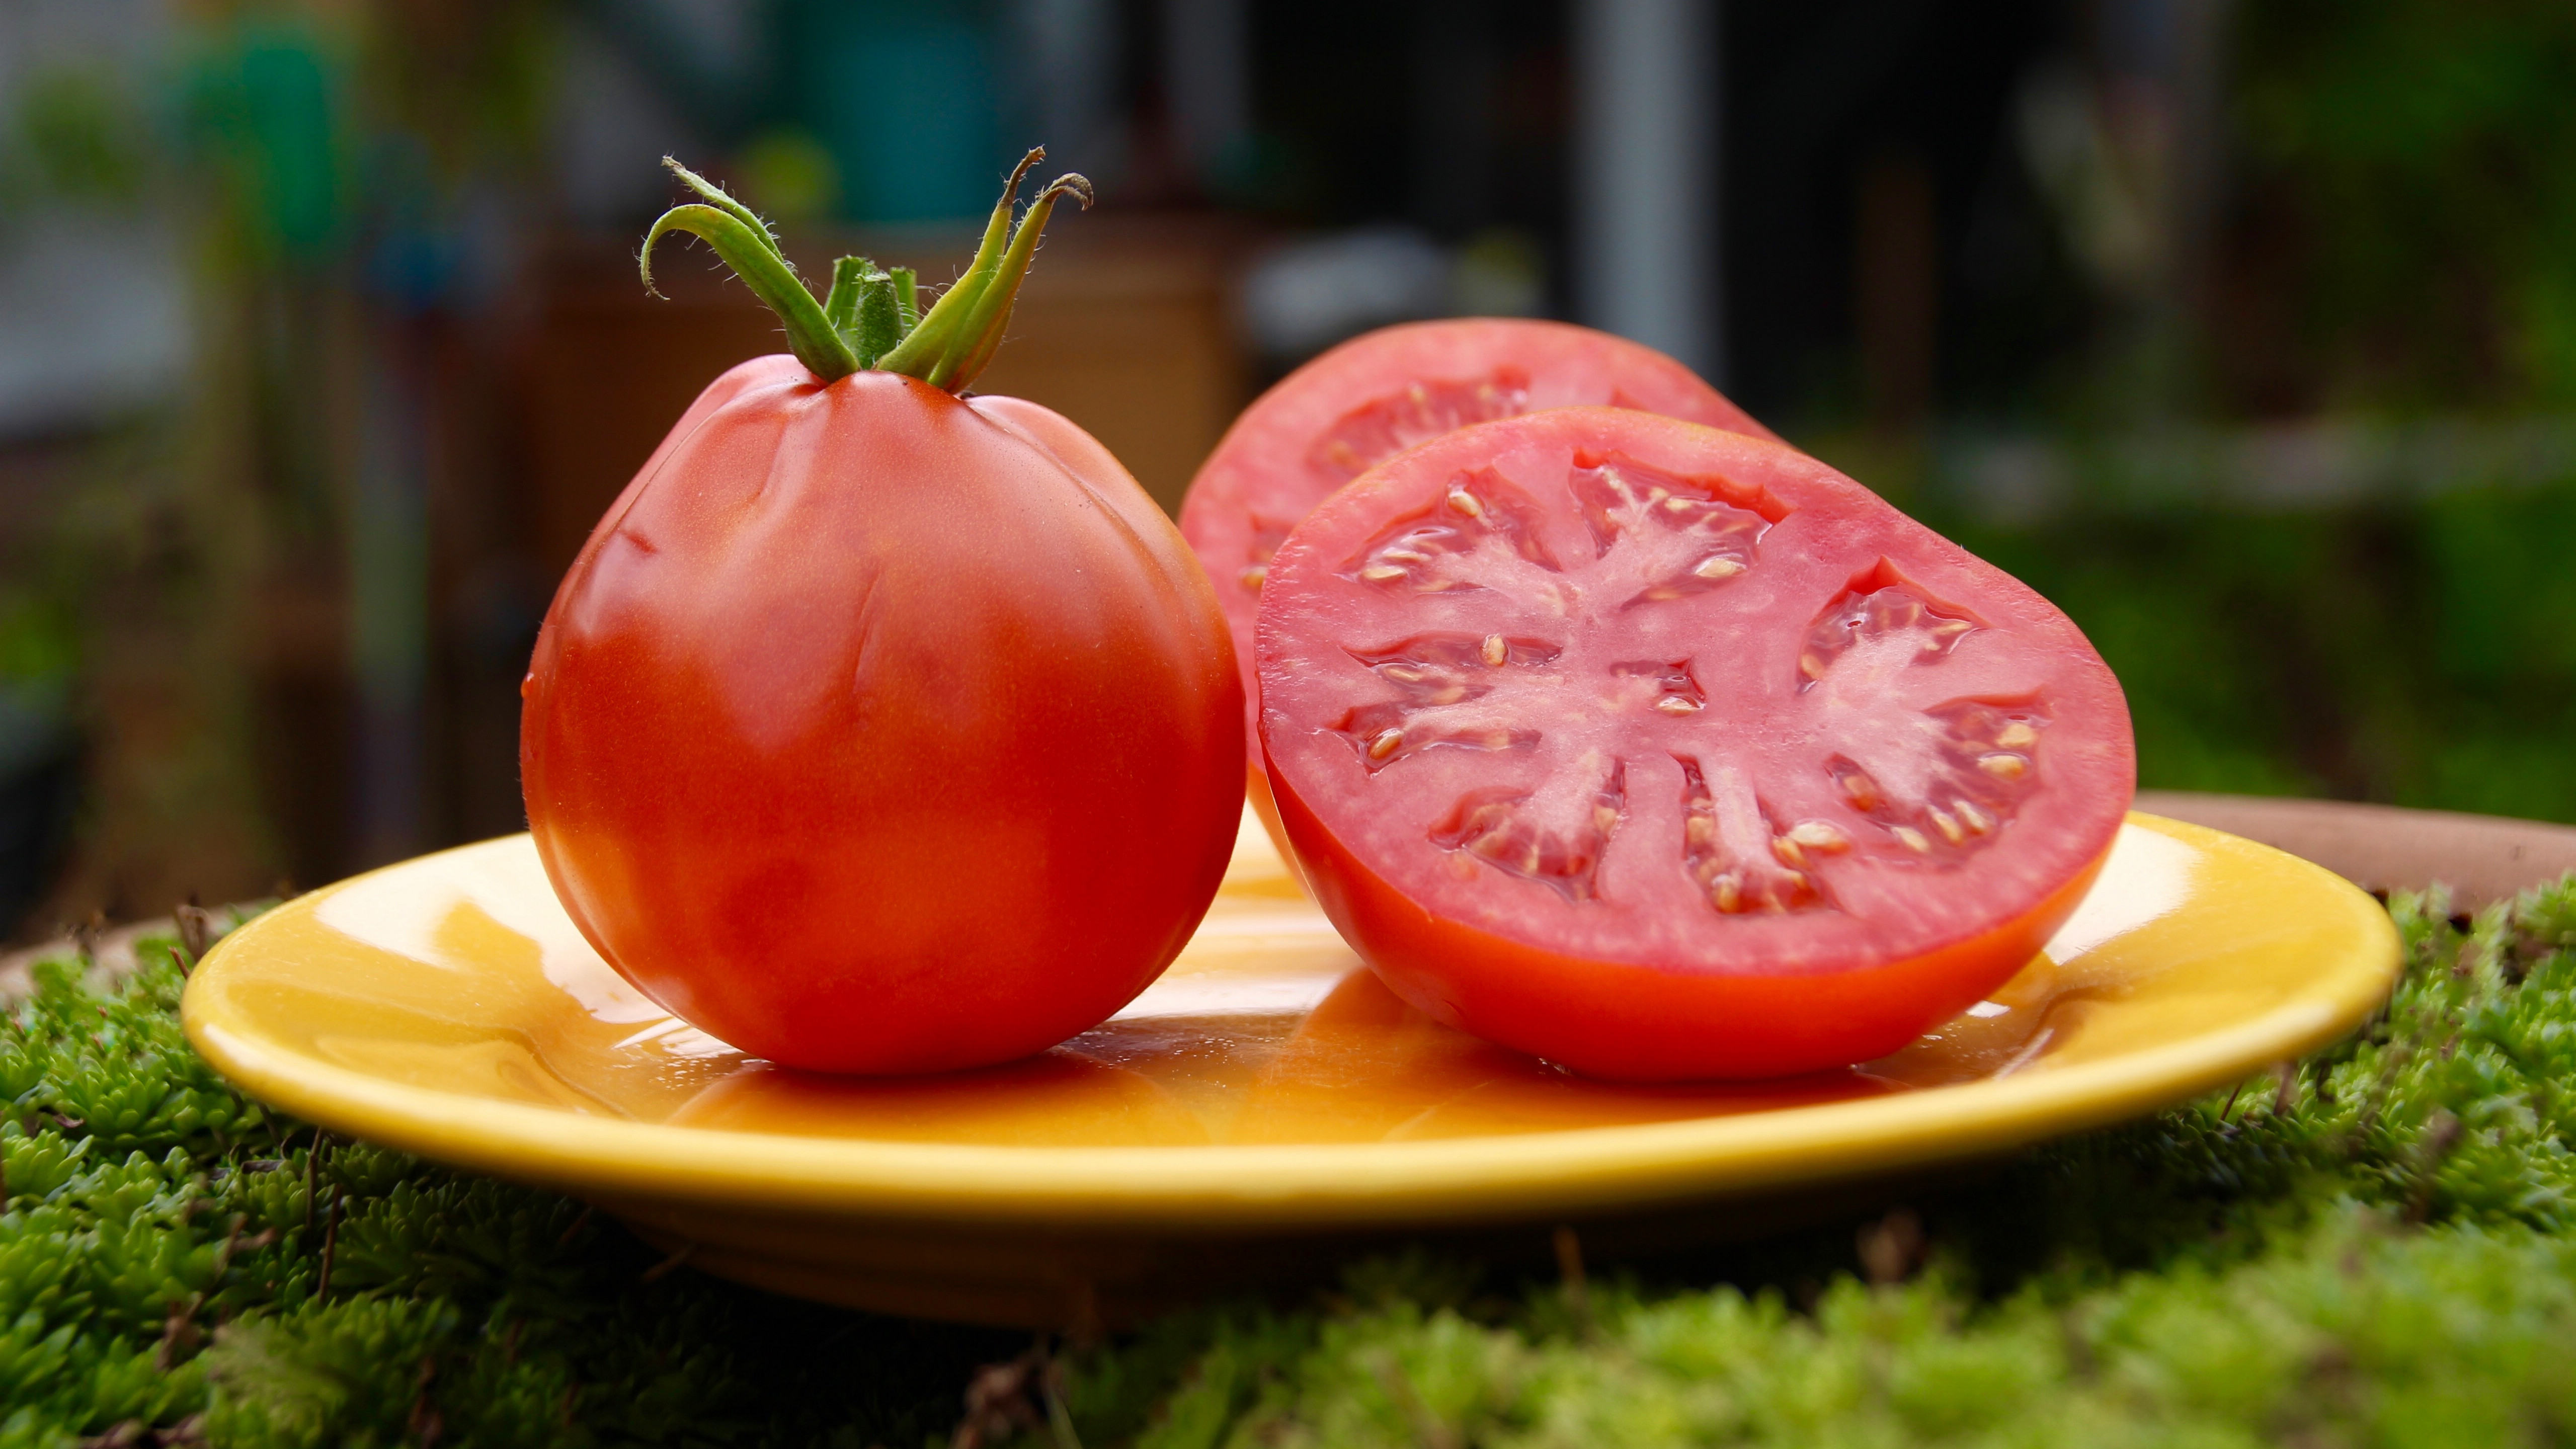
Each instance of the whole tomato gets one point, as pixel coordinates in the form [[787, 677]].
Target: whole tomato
[[878, 729]]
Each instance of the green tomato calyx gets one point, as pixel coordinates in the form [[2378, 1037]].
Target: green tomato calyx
[[872, 318]]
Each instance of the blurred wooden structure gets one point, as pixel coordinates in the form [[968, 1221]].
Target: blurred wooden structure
[[1122, 327], [2482, 858]]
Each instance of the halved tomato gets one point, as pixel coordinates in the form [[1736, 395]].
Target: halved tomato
[[1664, 752], [1376, 395]]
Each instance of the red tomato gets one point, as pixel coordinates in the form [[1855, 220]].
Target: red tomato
[[1662, 752], [1374, 396], [879, 730]]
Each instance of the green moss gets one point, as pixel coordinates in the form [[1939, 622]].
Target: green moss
[[162, 1265], [2384, 1252]]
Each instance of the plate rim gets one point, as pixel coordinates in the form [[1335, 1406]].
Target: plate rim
[[1257, 1186]]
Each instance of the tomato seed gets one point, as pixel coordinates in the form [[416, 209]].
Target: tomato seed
[[1819, 835]]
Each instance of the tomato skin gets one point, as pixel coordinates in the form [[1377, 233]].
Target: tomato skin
[[1263, 476], [1622, 1021], [1641, 973], [879, 731]]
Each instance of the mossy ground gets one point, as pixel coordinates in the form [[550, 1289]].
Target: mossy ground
[[2377, 1246]]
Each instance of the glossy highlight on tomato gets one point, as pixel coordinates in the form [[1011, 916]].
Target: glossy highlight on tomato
[[1663, 752], [1376, 395]]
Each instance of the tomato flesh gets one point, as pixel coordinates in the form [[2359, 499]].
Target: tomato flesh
[[1663, 752], [1371, 398], [877, 730]]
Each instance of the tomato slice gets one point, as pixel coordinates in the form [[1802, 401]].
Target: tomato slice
[[1663, 752], [1374, 396]]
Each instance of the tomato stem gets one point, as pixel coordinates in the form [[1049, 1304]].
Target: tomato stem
[[907, 296], [747, 245], [992, 312], [959, 333], [841, 304], [873, 317], [865, 308]]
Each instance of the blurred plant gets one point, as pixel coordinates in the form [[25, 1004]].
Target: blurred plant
[[474, 80], [365, 175], [264, 105], [2409, 651], [39, 638], [2423, 153], [39, 746], [1500, 272], [789, 175], [78, 136]]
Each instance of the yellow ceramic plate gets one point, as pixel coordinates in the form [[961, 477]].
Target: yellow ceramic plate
[[1265, 1089]]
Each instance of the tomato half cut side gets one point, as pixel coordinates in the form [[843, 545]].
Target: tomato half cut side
[[1376, 395], [1663, 752]]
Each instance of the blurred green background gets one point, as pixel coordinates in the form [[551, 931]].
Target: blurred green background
[[2246, 331]]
